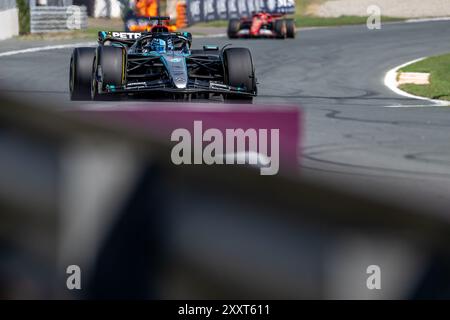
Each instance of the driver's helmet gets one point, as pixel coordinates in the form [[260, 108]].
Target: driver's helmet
[[170, 46], [158, 45]]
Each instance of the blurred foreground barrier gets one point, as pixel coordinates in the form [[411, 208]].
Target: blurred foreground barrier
[[105, 196], [270, 133]]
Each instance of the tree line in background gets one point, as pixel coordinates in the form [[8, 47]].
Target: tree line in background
[[24, 16]]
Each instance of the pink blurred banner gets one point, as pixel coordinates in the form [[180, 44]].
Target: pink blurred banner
[[161, 119]]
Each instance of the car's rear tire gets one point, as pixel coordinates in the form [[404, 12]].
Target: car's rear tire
[[109, 68], [239, 72], [290, 28], [234, 25], [280, 29], [80, 73]]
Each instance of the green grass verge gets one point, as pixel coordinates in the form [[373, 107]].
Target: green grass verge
[[439, 87], [88, 34], [24, 16]]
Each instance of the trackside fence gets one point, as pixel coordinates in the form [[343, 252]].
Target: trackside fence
[[58, 19]]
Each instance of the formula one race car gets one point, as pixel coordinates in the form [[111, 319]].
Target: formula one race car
[[160, 63], [262, 25]]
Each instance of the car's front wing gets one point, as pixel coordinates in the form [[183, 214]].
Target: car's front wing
[[167, 87]]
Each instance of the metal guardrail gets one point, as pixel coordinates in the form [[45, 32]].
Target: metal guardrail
[[7, 4], [210, 10], [63, 3], [59, 3], [58, 19]]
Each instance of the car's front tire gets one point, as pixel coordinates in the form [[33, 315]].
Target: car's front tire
[[233, 28], [80, 73], [280, 29], [240, 73], [109, 68], [290, 28]]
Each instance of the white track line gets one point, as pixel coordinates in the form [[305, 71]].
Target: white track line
[[390, 81], [47, 48], [417, 20], [219, 35]]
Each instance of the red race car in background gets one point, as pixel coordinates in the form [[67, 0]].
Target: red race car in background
[[262, 25]]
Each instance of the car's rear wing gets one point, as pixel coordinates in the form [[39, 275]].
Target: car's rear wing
[[159, 19], [133, 36], [272, 14], [278, 15], [118, 35]]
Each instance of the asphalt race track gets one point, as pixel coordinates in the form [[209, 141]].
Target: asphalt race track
[[357, 133]]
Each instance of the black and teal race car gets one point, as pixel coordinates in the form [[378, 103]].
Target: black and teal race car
[[160, 63]]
